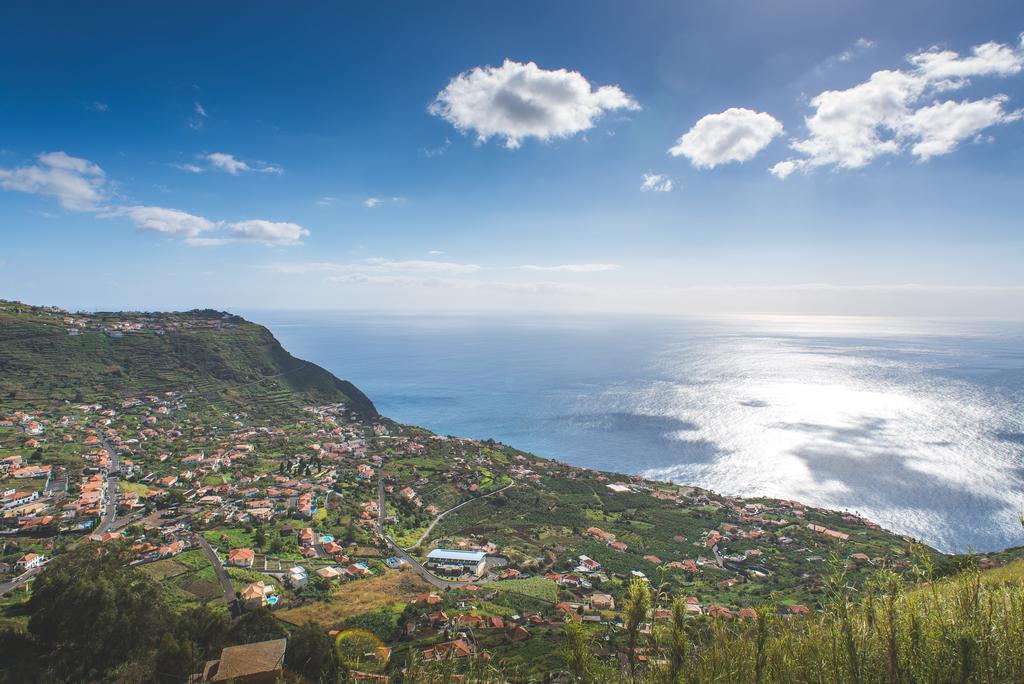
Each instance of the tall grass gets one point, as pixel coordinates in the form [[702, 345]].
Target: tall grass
[[958, 630]]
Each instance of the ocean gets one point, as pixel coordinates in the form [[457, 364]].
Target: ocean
[[917, 425]]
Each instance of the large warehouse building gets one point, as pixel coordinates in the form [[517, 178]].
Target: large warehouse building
[[452, 562]]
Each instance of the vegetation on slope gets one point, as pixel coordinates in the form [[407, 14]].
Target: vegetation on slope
[[207, 353]]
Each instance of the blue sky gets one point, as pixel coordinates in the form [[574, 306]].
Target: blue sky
[[574, 156]]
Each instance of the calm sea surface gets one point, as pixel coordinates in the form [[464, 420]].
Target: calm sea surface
[[919, 425]]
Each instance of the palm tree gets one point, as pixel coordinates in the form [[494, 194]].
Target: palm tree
[[638, 603]]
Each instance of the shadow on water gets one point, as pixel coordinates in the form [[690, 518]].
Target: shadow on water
[[1011, 437], [875, 474], [634, 442], [622, 421]]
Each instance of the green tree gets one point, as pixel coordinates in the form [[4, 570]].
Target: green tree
[[311, 653], [256, 625], [92, 613]]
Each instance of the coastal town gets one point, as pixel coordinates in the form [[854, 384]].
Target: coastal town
[[441, 547]]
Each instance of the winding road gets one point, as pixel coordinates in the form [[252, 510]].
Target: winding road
[[441, 515], [405, 555]]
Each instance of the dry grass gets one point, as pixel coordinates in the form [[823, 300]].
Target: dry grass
[[356, 598], [163, 569]]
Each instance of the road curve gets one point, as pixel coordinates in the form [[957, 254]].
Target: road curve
[[405, 555]]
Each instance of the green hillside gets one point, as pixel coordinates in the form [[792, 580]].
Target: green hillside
[[208, 354]]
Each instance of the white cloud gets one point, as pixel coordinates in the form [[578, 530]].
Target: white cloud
[[97, 106], [79, 185], [517, 101], [438, 151], [988, 59], [574, 268], [850, 128], [325, 201], [198, 121], [435, 252], [191, 168], [939, 128], [784, 168], [735, 135], [76, 183], [656, 182], [859, 45], [173, 222], [228, 163], [371, 202], [268, 232]]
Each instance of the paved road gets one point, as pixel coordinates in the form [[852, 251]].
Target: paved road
[[112, 479], [20, 580], [222, 576]]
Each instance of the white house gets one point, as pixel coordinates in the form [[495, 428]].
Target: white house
[[30, 560], [297, 577]]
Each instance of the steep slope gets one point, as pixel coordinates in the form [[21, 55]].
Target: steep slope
[[206, 354]]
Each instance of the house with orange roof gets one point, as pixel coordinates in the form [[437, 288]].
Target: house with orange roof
[[242, 558], [30, 561]]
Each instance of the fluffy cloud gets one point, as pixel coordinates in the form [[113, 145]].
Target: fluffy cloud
[[735, 135], [517, 101], [268, 232], [656, 182], [988, 59], [79, 185], [76, 183], [171, 222], [887, 113], [228, 163], [574, 268], [939, 128]]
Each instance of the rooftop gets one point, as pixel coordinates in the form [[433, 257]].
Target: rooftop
[[250, 659], [452, 554]]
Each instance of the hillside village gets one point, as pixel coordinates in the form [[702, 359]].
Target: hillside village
[[440, 547]]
